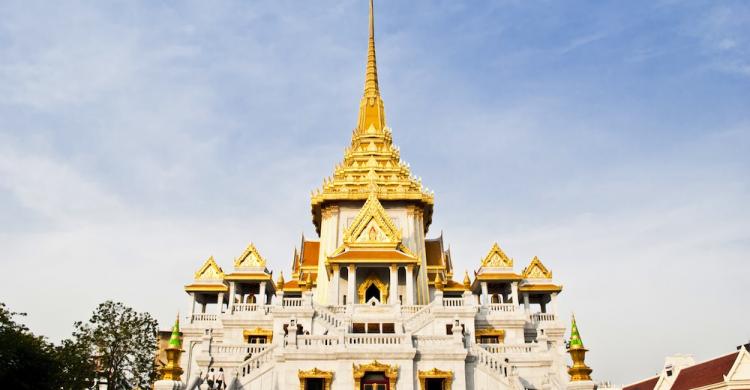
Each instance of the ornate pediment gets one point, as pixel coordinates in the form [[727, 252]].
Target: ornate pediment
[[250, 258], [372, 225], [536, 270], [209, 271], [497, 258]]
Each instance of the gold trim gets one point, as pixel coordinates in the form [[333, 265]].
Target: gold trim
[[540, 288], [390, 371], [206, 288], [372, 279], [268, 333], [435, 374], [315, 373], [499, 333]]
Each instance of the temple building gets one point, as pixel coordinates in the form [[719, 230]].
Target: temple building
[[372, 303]]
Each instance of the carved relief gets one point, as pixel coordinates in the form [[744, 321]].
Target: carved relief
[[536, 270], [209, 271], [250, 258], [497, 258]]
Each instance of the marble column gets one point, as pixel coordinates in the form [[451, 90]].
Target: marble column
[[262, 293], [393, 294], [485, 295], [351, 298], [334, 298], [409, 284], [231, 296], [514, 293], [220, 303], [526, 306]]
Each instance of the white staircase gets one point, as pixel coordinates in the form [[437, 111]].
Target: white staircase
[[493, 366], [255, 366], [419, 319], [331, 319]]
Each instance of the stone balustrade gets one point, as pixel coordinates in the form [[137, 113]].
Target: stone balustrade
[[238, 349], [453, 302], [510, 348], [502, 307], [244, 307], [430, 341], [255, 362], [203, 317], [542, 317], [410, 309], [375, 339], [291, 302], [317, 341]]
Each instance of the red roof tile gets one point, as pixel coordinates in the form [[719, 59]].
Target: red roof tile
[[647, 384], [705, 373], [310, 252]]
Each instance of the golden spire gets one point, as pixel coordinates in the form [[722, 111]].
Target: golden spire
[[371, 112], [467, 281], [579, 371], [438, 282]]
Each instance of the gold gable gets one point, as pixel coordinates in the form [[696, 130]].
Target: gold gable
[[536, 270], [497, 258], [209, 271], [372, 226], [250, 258]]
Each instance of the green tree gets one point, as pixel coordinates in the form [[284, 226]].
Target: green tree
[[123, 342], [75, 364], [26, 361]]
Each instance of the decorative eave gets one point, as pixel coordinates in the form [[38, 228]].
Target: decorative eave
[[249, 276], [198, 287], [543, 288], [373, 256], [453, 286]]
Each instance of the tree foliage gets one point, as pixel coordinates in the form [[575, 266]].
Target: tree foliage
[[123, 342], [117, 343], [26, 361]]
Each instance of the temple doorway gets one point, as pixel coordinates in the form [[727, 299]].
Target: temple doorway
[[435, 384], [372, 292], [375, 381], [314, 384]]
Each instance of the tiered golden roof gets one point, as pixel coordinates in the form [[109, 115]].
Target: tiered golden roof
[[371, 157]]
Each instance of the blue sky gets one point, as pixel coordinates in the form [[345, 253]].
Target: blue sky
[[609, 138]]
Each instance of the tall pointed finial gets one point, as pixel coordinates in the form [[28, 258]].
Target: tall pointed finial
[[579, 371], [371, 112], [172, 370]]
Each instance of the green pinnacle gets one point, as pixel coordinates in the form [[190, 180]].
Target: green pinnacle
[[575, 337], [174, 340]]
